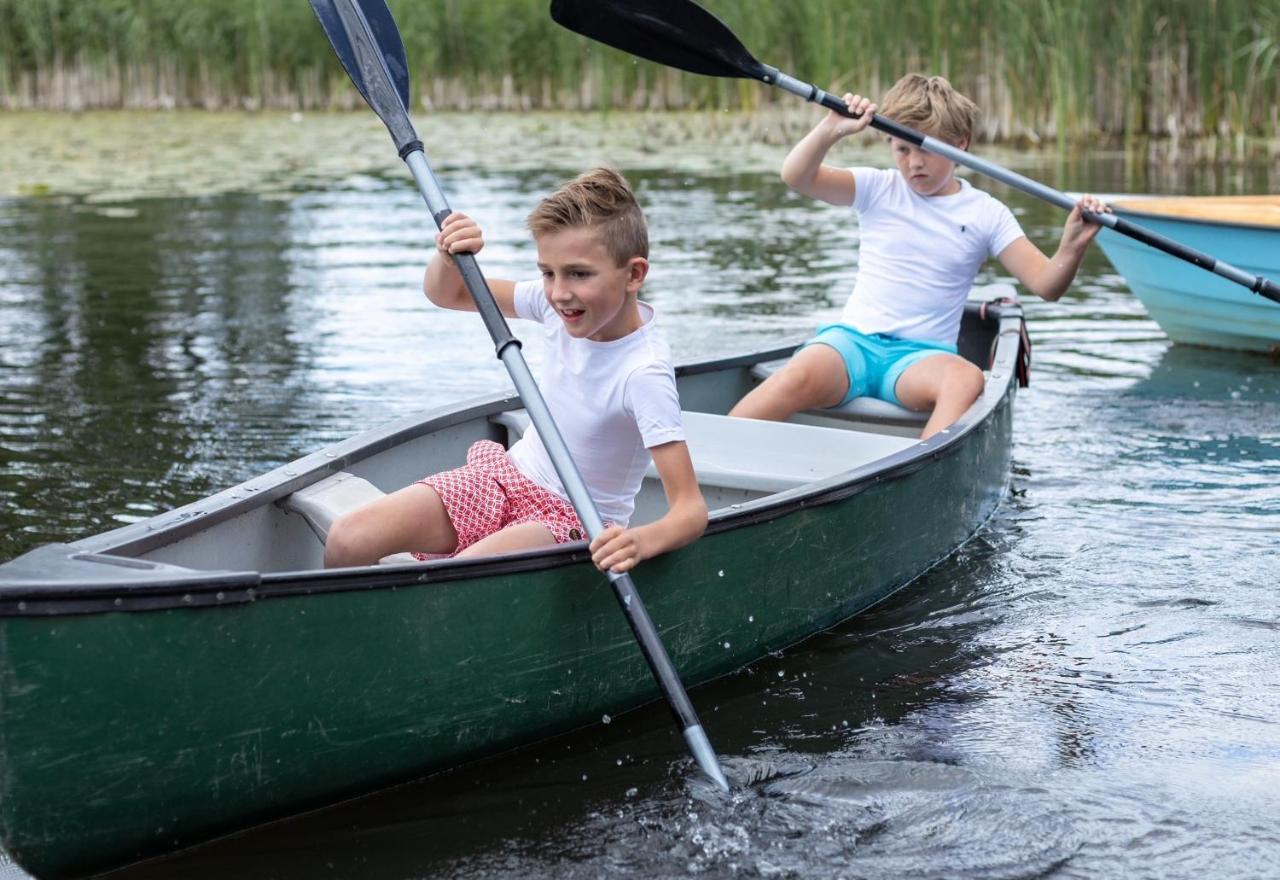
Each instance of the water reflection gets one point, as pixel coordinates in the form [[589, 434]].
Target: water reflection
[[135, 341]]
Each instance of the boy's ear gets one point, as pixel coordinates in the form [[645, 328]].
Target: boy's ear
[[637, 270]]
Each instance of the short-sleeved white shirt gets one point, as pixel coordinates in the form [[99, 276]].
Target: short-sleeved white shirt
[[611, 400], [918, 254]]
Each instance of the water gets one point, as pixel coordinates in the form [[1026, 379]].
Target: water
[[1089, 688]]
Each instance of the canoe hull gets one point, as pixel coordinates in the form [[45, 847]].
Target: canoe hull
[[303, 700], [1194, 306], [139, 718]]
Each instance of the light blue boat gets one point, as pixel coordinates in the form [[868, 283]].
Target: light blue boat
[[1192, 305]]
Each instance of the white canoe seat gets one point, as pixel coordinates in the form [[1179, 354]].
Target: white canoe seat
[[323, 502], [762, 456], [863, 409]]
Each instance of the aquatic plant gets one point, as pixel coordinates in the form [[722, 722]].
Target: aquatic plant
[[1041, 69]]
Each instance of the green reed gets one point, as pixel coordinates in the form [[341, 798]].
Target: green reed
[[1055, 69]]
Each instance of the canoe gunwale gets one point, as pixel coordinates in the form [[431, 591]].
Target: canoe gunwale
[[204, 588], [1130, 213]]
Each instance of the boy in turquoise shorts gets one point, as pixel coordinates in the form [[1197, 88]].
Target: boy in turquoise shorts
[[925, 233]]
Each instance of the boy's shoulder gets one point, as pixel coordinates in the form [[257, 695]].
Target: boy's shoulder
[[981, 195]]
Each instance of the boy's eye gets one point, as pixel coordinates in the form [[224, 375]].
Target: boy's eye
[[579, 273]]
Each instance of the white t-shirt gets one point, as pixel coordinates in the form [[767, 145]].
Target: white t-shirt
[[611, 400], [919, 254]]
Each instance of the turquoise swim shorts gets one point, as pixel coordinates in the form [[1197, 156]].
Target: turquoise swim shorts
[[875, 361]]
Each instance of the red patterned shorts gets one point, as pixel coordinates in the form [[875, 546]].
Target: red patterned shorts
[[489, 493]]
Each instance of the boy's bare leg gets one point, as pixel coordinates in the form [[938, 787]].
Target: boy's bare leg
[[413, 518], [947, 383], [521, 536], [815, 377]]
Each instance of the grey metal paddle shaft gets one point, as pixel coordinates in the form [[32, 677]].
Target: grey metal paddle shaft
[[508, 350], [1258, 284]]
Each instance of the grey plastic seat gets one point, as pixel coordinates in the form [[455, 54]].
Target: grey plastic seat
[[862, 409], [323, 502], [762, 456]]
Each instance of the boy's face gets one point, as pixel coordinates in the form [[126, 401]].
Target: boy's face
[[595, 297], [926, 173]]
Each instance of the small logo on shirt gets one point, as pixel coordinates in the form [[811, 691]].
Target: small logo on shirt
[[962, 227]]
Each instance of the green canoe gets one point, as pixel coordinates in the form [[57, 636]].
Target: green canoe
[[198, 673]]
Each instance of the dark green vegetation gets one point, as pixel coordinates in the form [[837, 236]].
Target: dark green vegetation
[[1067, 68]]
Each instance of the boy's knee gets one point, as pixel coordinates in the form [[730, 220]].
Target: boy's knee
[[344, 545], [800, 382], [965, 380]]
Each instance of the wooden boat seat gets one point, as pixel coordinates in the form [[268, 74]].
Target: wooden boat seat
[[862, 409], [323, 502], [761, 456]]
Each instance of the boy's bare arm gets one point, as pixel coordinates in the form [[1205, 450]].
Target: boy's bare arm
[[621, 550], [1050, 277], [803, 170], [443, 283]]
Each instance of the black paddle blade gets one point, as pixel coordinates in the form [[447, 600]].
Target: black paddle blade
[[677, 33], [367, 42]]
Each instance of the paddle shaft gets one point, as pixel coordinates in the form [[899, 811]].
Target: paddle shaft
[[508, 350], [1258, 284]]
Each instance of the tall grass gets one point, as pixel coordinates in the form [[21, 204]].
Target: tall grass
[[1056, 69]]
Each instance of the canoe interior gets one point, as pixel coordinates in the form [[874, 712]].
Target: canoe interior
[[248, 529]]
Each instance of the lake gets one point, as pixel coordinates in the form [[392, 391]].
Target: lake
[[1090, 687]]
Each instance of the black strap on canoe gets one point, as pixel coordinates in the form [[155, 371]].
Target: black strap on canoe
[[1023, 367]]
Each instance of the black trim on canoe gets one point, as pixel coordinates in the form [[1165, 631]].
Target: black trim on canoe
[[83, 578]]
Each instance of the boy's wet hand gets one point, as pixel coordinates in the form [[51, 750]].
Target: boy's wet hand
[[1092, 205], [459, 234], [615, 549], [858, 106], [1080, 231]]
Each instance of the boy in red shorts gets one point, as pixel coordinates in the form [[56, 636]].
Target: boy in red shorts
[[608, 382]]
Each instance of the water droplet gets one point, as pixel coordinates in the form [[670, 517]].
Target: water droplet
[[584, 777], [780, 673], [720, 573], [632, 792], [751, 618], [605, 718], [726, 646]]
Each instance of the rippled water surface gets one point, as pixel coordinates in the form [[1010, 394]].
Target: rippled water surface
[[1088, 688]]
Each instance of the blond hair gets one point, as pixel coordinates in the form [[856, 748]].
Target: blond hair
[[600, 200], [931, 105]]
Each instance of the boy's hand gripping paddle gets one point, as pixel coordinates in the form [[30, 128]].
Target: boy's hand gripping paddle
[[681, 34], [368, 44]]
